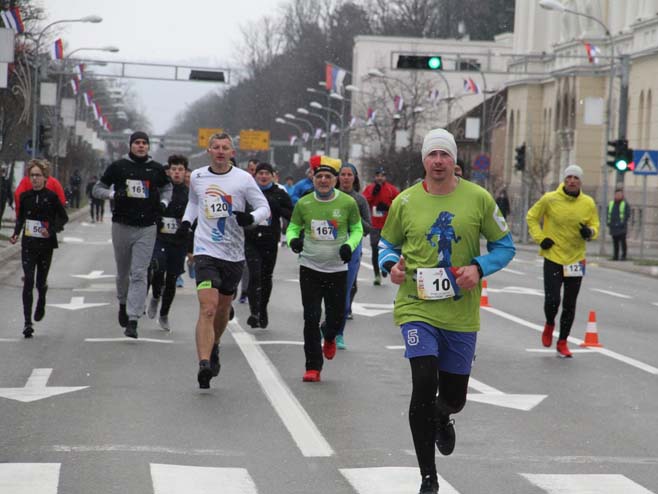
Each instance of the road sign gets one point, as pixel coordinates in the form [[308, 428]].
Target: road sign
[[482, 162], [254, 140], [645, 162], [205, 133]]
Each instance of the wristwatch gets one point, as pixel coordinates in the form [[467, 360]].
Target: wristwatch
[[477, 264]]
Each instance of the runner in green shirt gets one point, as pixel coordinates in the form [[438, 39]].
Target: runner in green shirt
[[430, 244]]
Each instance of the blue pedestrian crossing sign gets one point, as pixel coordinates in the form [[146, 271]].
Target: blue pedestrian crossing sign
[[645, 162]]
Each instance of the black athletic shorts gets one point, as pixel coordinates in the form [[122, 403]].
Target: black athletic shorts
[[211, 272]]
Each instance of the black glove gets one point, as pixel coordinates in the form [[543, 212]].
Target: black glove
[[183, 230], [345, 253], [585, 231], [121, 193], [163, 208], [382, 207], [388, 265], [376, 189], [244, 219], [547, 243], [297, 245]]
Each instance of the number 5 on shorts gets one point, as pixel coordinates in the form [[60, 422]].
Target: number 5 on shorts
[[412, 337]]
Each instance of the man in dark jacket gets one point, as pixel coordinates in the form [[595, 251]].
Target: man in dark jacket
[[619, 211], [142, 191]]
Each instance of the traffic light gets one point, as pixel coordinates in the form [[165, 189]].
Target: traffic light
[[420, 62], [519, 163], [45, 138], [620, 157]]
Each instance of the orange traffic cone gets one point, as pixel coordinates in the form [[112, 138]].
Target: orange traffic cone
[[484, 297], [591, 334]]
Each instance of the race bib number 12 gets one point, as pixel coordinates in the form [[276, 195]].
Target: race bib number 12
[[575, 270]]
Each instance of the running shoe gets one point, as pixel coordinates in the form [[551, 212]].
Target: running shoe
[[243, 297], [378, 281], [179, 282], [311, 376], [215, 365], [263, 319], [329, 349], [40, 310], [231, 314], [123, 316], [445, 437], [190, 270], [164, 323], [350, 316], [563, 349], [153, 308], [253, 321], [340, 342], [28, 330], [131, 329], [204, 375], [429, 485], [547, 335]]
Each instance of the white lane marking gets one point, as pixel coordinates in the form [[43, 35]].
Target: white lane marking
[[77, 303], [493, 396], [579, 484], [72, 240], [280, 342], [97, 287], [36, 388], [612, 294], [182, 479], [654, 303], [520, 290], [301, 427], [93, 275], [617, 356], [125, 338], [29, 478], [8, 340], [549, 350], [513, 271], [124, 448], [389, 480], [395, 347]]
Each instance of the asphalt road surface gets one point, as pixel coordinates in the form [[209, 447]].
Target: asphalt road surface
[[85, 410]]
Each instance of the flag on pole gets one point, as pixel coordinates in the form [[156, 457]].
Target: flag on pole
[[293, 139], [592, 52], [334, 77], [353, 122], [305, 136], [470, 86], [58, 49], [372, 114], [79, 71], [88, 96], [318, 133], [398, 103], [433, 96], [96, 109], [75, 85], [12, 19]]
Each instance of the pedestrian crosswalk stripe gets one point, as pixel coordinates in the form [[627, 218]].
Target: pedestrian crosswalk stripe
[[29, 478], [579, 484], [181, 479], [389, 480]]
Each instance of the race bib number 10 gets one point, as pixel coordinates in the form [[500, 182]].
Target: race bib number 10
[[575, 270], [434, 284], [137, 189]]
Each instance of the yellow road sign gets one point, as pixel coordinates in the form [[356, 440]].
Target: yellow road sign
[[254, 140], [204, 135]]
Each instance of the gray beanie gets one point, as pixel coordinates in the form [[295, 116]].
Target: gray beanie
[[439, 139], [573, 170]]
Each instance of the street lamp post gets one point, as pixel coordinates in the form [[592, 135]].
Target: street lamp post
[[300, 145], [35, 85], [304, 111], [58, 100], [290, 116], [319, 106], [559, 7]]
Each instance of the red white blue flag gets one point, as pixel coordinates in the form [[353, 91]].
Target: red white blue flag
[[12, 19], [334, 78], [372, 114], [58, 49], [75, 85], [592, 52], [398, 103], [293, 139], [79, 71], [470, 86], [88, 96], [318, 133]]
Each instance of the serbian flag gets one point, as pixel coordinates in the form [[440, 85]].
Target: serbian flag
[[88, 95], [96, 109], [58, 49], [470, 86], [334, 77], [372, 114], [592, 52], [433, 96], [318, 133], [398, 103], [75, 85], [12, 19], [79, 71], [305, 136], [293, 139]]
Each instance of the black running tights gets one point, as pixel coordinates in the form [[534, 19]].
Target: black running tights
[[426, 408], [553, 281], [35, 262], [163, 283]]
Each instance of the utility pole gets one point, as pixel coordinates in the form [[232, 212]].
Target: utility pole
[[623, 108]]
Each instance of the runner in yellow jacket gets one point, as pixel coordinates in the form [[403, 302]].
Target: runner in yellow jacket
[[568, 220]]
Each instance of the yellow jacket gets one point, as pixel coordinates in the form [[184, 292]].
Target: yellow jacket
[[562, 215]]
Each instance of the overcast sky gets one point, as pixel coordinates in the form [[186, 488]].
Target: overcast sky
[[197, 32]]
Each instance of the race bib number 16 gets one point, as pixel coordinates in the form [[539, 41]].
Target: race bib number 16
[[137, 189]]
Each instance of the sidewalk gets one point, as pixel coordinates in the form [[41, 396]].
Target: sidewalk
[[8, 251]]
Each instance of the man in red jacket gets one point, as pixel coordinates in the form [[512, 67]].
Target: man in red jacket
[[380, 195], [26, 184]]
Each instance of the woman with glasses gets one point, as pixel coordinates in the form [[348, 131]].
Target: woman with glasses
[[41, 215]]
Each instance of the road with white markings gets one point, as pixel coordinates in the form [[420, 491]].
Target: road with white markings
[[83, 409]]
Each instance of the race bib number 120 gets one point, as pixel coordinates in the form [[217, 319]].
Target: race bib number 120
[[217, 206]]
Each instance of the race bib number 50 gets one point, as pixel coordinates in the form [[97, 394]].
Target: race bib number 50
[[36, 229], [137, 189], [435, 283]]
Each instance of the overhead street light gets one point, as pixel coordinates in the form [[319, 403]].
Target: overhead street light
[[552, 5], [35, 85]]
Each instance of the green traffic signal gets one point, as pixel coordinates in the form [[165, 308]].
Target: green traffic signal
[[434, 63], [621, 165], [419, 62]]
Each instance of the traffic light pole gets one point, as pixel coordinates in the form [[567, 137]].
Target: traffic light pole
[[623, 106]]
